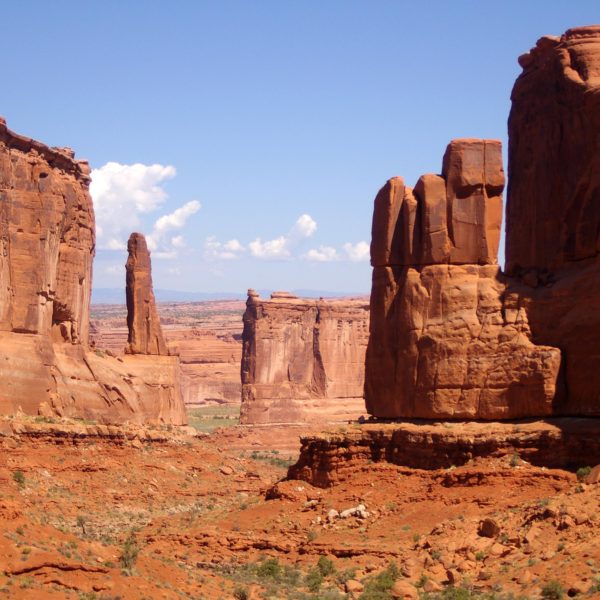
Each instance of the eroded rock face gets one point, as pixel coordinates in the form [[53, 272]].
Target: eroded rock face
[[145, 332], [47, 239], [553, 208], [448, 338], [452, 218], [468, 341], [302, 359]]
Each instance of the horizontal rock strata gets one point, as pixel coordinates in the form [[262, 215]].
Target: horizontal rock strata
[[330, 458], [303, 359]]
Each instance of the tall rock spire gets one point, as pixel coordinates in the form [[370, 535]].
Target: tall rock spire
[[145, 332]]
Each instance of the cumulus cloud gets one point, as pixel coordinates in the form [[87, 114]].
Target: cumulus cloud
[[322, 254], [222, 250], [160, 240], [282, 246], [122, 194], [358, 252]]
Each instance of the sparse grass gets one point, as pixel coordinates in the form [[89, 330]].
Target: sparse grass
[[129, 554], [209, 418], [273, 459]]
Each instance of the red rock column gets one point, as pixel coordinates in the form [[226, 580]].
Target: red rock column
[[442, 343], [145, 332]]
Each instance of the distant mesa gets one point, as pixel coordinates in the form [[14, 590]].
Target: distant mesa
[[47, 242], [303, 359]]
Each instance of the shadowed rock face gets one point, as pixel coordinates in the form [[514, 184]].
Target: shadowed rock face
[[447, 338], [302, 360], [468, 341], [553, 208], [47, 242], [145, 332]]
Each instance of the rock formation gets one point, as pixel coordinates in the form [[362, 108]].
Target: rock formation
[[553, 207], [145, 332], [451, 335], [443, 343], [47, 242], [302, 359]]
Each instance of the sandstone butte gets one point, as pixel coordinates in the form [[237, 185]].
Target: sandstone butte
[[47, 241], [452, 336], [303, 360]]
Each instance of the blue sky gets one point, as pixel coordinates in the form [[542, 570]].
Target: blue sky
[[261, 131]]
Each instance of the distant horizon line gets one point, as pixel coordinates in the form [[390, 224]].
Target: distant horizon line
[[117, 295]]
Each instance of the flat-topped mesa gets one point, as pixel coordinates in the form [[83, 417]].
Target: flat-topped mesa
[[302, 360], [145, 332], [553, 205], [453, 218], [447, 339], [47, 244]]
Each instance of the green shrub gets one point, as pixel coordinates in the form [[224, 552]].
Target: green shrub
[[19, 478], [553, 591], [269, 569], [129, 553], [583, 473], [325, 566], [241, 593], [378, 587], [314, 579]]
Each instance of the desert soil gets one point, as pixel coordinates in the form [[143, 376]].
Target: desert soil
[[188, 517]]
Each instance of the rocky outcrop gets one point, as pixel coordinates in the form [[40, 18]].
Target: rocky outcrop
[[47, 239], [448, 338], [302, 359], [145, 332], [452, 341], [333, 457], [553, 208]]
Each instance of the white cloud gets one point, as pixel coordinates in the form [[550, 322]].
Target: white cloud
[[357, 252], [304, 227], [277, 248], [122, 193], [282, 246], [224, 251], [322, 254], [159, 240]]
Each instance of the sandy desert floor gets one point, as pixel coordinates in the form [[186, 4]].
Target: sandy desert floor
[[188, 517]]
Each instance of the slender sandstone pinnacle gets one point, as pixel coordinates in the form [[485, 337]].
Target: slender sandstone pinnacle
[[145, 332]]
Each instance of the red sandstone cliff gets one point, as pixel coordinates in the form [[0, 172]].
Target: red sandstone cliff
[[553, 208], [302, 360], [448, 339], [46, 252]]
